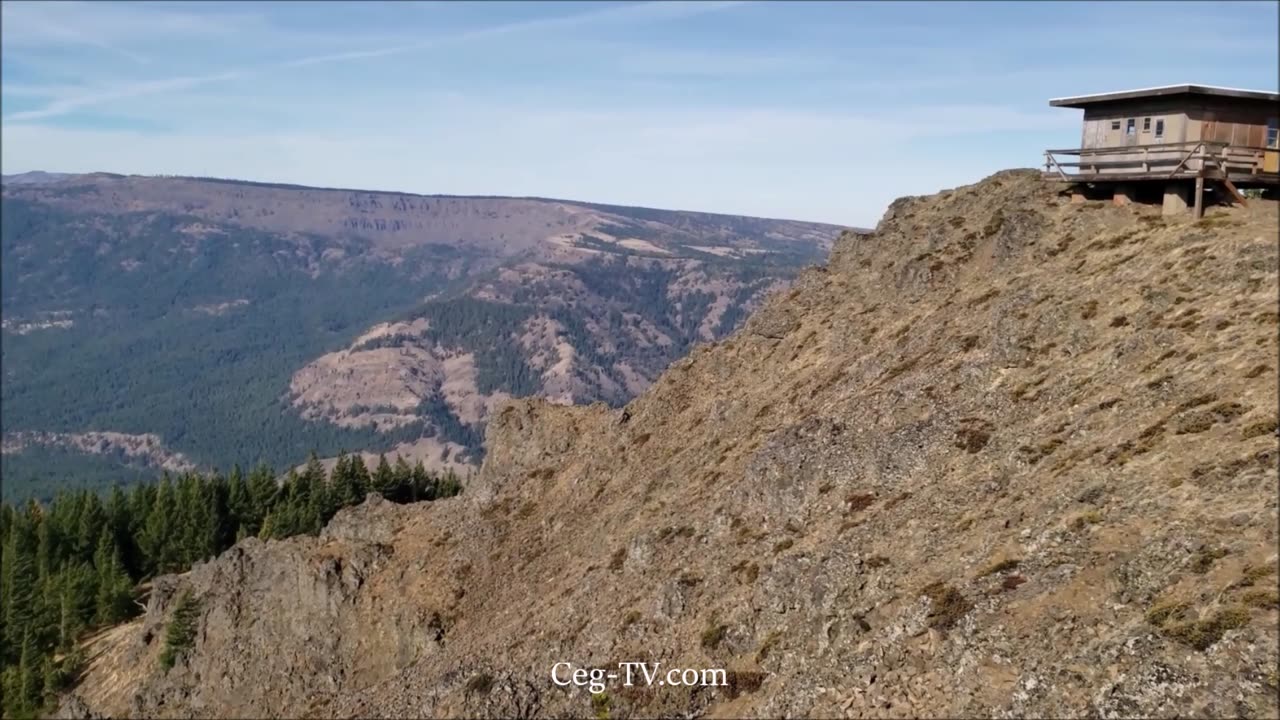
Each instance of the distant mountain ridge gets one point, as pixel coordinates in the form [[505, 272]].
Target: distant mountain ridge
[[37, 177], [222, 316]]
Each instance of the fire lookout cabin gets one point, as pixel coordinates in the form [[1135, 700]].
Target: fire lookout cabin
[[1172, 139]]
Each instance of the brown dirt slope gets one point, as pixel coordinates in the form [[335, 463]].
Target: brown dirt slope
[[1005, 457]]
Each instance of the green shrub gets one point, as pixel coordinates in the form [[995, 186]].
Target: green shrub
[[1201, 634], [479, 684], [600, 705], [713, 636], [999, 567]]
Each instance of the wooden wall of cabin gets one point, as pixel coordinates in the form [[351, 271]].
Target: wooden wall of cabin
[[1105, 126], [1225, 120]]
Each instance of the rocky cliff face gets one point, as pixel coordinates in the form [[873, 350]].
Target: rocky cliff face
[[1005, 457]]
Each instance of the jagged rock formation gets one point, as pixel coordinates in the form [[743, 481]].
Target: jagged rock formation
[[1005, 457]]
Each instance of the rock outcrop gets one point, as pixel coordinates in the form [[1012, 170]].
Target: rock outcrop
[[1005, 457]]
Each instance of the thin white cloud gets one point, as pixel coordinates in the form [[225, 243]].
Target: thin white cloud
[[43, 91], [70, 104], [38, 25], [649, 11]]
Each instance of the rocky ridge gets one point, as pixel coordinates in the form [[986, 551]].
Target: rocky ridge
[[1007, 456]]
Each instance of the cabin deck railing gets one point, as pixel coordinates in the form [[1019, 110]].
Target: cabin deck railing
[[1164, 160]]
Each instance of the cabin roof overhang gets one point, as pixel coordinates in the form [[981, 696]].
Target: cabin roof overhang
[[1083, 101]]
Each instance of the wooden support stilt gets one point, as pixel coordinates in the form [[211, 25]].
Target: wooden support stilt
[[1234, 192], [1199, 208]]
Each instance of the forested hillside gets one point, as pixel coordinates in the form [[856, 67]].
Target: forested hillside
[[81, 562], [186, 309]]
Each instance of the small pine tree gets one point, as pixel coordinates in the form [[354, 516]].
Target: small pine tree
[[51, 680], [29, 682], [383, 481], [157, 540], [421, 485], [180, 635], [269, 523], [359, 478], [92, 519], [263, 494], [115, 590], [346, 486], [21, 586], [237, 498], [403, 475], [449, 485]]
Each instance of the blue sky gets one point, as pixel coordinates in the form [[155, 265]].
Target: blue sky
[[818, 111]]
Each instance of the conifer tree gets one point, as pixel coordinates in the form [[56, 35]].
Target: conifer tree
[[319, 497], [21, 577], [187, 526], [421, 484], [180, 634], [294, 490], [359, 478], [403, 478], [237, 496], [51, 681], [46, 550], [224, 529], [156, 541], [383, 480], [263, 491], [269, 523], [343, 485], [115, 590], [141, 502], [120, 526], [448, 486], [77, 598], [26, 698], [330, 499], [92, 518]]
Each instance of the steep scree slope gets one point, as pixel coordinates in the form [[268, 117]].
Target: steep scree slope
[[1005, 457]]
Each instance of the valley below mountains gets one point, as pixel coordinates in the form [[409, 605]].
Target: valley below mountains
[[1006, 456], [232, 322]]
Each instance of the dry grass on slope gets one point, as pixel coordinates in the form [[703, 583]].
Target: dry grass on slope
[[1006, 456]]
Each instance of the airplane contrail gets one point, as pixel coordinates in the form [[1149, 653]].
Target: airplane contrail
[[654, 10]]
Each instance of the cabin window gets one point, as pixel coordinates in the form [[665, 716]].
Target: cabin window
[[1273, 130], [1159, 128], [1146, 124], [1131, 126], [1115, 124]]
